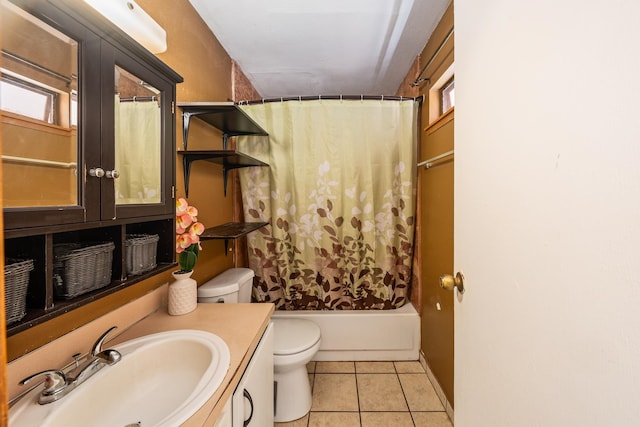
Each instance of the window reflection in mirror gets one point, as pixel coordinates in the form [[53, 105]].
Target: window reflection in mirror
[[38, 109], [138, 140]]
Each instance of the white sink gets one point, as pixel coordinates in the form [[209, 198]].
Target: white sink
[[161, 380]]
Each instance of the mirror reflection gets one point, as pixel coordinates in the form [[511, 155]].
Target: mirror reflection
[[138, 140], [38, 109]]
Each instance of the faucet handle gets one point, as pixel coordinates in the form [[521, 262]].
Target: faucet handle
[[54, 381], [97, 347]]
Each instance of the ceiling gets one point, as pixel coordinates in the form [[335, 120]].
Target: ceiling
[[328, 47]]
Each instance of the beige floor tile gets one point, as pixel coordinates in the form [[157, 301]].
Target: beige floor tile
[[334, 392], [335, 368], [409, 367], [420, 393], [431, 419], [311, 378], [301, 422], [334, 419], [380, 392], [311, 367], [375, 368], [386, 419]]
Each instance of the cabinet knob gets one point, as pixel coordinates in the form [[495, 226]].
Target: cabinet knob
[[114, 174], [97, 172]]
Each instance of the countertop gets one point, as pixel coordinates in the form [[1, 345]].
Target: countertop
[[239, 325]]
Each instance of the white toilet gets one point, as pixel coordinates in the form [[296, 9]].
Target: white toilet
[[296, 342]]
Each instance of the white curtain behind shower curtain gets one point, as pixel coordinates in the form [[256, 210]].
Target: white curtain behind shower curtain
[[137, 152], [340, 195]]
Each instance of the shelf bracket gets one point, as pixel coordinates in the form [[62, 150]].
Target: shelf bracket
[[225, 175], [186, 166], [186, 119]]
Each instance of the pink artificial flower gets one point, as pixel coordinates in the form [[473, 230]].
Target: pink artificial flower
[[193, 211], [197, 228], [181, 205], [188, 230], [184, 241], [183, 221]]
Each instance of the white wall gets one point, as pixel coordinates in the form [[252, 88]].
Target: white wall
[[547, 212]]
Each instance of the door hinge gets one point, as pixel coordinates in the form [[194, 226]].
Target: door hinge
[[173, 191], [173, 107]]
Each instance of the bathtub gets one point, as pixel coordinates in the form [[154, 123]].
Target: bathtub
[[364, 334]]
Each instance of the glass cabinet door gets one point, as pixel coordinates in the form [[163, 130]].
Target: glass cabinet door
[[142, 148], [39, 94], [138, 140]]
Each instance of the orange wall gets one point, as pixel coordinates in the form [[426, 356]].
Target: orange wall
[[434, 228], [195, 54]]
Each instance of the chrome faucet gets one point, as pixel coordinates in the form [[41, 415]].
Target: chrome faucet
[[57, 384]]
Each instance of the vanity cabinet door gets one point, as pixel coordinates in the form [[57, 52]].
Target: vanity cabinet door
[[253, 400]]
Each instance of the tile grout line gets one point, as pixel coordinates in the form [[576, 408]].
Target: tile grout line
[[355, 375], [313, 384], [413, 421]]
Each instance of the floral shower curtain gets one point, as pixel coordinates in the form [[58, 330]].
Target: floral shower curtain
[[339, 194]]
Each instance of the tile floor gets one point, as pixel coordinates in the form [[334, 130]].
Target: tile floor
[[371, 394]]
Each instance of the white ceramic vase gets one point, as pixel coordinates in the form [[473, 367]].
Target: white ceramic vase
[[183, 293]]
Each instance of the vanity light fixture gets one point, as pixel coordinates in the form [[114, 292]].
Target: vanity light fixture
[[134, 21]]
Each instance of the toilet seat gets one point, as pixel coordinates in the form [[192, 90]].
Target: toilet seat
[[293, 336]]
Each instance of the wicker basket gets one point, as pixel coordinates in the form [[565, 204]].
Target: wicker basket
[[141, 252], [81, 268], [16, 280]]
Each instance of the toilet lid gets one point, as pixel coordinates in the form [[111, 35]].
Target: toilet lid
[[294, 335]]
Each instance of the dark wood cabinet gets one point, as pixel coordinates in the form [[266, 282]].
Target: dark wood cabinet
[[97, 214]]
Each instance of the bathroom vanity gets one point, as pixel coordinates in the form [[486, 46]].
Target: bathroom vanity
[[243, 327]]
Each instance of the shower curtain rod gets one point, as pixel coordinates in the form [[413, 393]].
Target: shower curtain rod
[[335, 97], [420, 79]]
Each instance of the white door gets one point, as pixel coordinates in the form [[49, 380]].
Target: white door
[[547, 213]]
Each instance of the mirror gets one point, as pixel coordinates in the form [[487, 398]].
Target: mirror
[[138, 150], [39, 111]]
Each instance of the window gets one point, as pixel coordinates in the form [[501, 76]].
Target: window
[[27, 99], [447, 96]]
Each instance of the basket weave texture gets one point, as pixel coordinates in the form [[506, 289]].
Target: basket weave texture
[[80, 268], [141, 252], [16, 280]]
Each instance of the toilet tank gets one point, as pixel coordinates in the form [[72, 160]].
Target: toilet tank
[[231, 286]]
